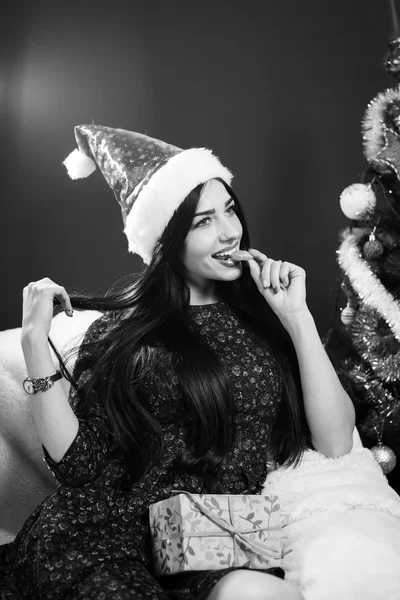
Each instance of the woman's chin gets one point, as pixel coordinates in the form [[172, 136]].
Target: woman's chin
[[228, 273]]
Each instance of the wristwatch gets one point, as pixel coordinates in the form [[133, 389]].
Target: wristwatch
[[33, 386]]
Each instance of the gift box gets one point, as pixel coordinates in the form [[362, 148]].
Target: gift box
[[197, 532]]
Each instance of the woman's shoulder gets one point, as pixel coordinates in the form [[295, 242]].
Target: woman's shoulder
[[95, 334], [98, 327]]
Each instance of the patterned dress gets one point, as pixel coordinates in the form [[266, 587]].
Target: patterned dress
[[90, 538]]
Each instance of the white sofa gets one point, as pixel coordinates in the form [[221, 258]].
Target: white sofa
[[341, 519]]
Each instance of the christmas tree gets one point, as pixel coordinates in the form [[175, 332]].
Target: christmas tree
[[364, 345]]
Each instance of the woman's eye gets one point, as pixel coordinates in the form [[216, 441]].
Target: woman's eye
[[202, 222], [231, 209]]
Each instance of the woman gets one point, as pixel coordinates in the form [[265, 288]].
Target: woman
[[197, 370]]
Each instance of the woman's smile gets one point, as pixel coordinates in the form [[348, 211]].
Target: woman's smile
[[227, 262]]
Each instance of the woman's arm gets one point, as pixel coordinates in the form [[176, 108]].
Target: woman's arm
[[329, 410], [55, 420], [76, 446]]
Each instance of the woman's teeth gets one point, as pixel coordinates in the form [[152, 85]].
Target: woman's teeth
[[226, 259]]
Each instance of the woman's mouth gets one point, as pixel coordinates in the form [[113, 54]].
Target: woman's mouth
[[225, 259]]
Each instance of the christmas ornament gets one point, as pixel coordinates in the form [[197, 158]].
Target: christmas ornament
[[356, 200], [391, 62], [373, 249], [385, 457], [347, 315]]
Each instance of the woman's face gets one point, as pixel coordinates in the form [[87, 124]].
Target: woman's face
[[215, 229]]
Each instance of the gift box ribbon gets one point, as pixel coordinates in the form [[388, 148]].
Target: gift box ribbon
[[228, 529]]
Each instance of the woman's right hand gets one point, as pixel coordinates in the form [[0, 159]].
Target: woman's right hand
[[37, 307]]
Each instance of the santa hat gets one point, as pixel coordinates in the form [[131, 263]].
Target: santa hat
[[149, 177]]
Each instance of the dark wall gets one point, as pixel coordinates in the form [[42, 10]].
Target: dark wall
[[276, 89]]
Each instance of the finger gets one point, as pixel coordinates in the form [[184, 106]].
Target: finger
[[266, 272], [46, 280], [259, 256], [62, 296], [265, 265], [275, 271], [284, 274], [25, 297], [57, 292], [254, 270], [33, 285]]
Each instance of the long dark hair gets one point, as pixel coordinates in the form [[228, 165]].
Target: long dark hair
[[150, 307]]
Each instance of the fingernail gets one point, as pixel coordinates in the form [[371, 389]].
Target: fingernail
[[276, 290], [70, 313], [265, 283]]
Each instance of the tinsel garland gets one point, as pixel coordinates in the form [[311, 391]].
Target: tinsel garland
[[376, 395], [383, 403], [362, 375], [370, 344], [366, 284], [375, 119]]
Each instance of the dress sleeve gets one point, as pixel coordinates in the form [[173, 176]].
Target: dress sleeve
[[90, 451]]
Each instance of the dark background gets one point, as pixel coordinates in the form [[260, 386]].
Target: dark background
[[276, 89]]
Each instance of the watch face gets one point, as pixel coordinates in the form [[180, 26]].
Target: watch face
[[28, 386]]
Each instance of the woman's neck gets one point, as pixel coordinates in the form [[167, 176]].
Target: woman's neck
[[200, 297], [200, 301]]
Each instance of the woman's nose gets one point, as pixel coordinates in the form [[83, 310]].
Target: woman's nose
[[230, 230]]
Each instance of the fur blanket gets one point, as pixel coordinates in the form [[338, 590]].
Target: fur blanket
[[25, 479], [341, 519]]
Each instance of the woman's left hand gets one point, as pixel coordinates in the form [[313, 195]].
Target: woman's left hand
[[282, 284]]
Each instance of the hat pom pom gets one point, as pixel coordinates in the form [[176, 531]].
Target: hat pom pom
[[79, 165]]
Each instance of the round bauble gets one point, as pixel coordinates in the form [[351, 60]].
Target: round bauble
[[347, 315], [385, 457], [391, 62], [356, 200], [373, 249]]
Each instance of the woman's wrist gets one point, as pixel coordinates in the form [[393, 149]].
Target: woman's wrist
[[37, 355], [296, 323], [33, 336]]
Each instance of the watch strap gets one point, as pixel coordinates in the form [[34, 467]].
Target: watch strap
[[42, 384]]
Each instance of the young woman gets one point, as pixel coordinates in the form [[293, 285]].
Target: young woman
[[199, 368]]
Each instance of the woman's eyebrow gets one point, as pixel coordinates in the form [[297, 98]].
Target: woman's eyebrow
[[210, 212]]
